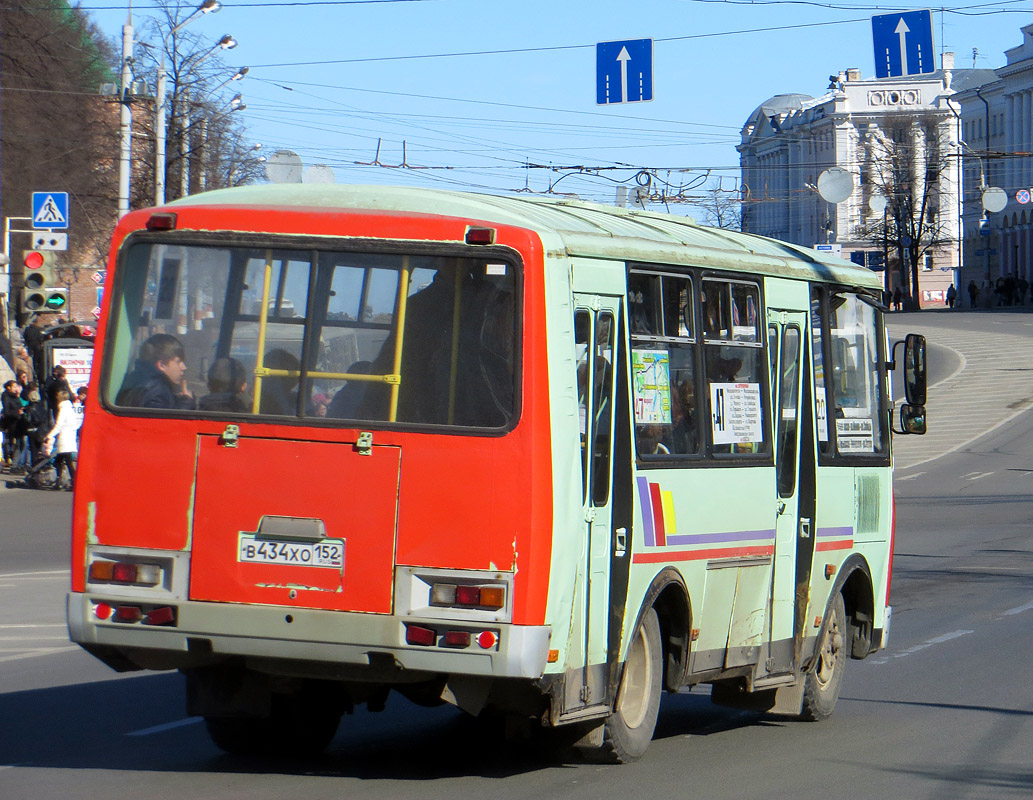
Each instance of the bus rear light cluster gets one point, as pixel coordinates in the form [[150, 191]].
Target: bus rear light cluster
[[127, 612], [468, 596], [424, 636], [124, 573]]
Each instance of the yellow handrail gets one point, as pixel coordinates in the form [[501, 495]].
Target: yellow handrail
[[403, 299], [263, 322]]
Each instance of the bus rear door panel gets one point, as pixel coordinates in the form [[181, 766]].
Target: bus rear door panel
[[600, 590]]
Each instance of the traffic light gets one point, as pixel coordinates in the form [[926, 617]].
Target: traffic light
[[42, 291]]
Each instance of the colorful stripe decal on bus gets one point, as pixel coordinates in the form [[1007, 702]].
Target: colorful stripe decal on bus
[[834, 539], [647, 511], [657, 512], [703, 555]]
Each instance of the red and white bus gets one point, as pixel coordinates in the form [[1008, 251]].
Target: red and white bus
[[523, 454]]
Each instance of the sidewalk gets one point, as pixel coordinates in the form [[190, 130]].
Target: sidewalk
[[993, 384]]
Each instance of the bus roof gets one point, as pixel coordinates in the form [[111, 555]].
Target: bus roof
[[586, 230]]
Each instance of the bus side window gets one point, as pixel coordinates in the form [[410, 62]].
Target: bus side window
[[602, 407], [663, 364], [582, 331], [735, 366]]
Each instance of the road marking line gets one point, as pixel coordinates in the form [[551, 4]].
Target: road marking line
[[168, 726], [916, 648], [41, 651], [910, 477], [10, 625], [34, 574], [975, 476], [37, 638], [1019, 609]]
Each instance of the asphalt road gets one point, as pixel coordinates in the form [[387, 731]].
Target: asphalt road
[[945, 711]]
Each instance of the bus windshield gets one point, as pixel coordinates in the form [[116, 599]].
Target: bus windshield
[[331, 335]]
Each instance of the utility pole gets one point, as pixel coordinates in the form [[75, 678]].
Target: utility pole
[[125, 118]]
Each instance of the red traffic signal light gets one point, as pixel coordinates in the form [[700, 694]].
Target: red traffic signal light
[[42, 290]]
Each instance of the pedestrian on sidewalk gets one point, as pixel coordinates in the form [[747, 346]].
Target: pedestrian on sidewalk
[[62, 439]]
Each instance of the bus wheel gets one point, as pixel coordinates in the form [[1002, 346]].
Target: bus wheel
[[821, 687], [294, 728], [629, 729]]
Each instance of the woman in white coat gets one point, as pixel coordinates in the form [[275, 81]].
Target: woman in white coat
[[62, 438]]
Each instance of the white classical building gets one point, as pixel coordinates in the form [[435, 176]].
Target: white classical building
[[791, 139], [997, 131]]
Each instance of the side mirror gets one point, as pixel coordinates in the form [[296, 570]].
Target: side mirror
[[912, 419], [914, 369]]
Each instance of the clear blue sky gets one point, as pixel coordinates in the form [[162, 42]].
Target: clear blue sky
[[328, 79]]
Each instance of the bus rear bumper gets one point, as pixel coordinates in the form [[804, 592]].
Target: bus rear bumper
[[350, 646]]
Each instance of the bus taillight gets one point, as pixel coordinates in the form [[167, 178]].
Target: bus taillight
[[123, 572], [417, 634], [467, 596]]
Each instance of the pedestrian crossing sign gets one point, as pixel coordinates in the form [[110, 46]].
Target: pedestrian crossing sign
[[50, 209]]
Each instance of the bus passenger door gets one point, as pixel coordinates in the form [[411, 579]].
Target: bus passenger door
[[596, 320], [794, 483]]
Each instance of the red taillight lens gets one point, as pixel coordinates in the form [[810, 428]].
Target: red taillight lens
[[468, 595], [457, 638], [480, 236], [417, 634], [165, 615], [103, 611], [124, 573], [161, 222], [128, 613]]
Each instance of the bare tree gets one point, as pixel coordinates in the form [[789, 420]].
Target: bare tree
[[907, 161], [723, 205], [58, 134], [203, 131]]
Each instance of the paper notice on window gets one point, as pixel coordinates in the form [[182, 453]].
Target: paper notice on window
[[822, 409], [651, 370], [736, 413], [855, 436]]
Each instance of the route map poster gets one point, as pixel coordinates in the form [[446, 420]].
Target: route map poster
[[651, 372]]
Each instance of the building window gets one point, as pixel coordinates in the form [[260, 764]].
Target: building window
[[927, 262]]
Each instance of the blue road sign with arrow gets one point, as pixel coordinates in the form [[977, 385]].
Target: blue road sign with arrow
[[903, 44], [624, 71]]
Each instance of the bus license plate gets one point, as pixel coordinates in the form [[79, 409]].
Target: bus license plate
[[325, 553]]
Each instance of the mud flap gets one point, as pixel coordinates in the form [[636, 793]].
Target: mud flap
[[785, 700]]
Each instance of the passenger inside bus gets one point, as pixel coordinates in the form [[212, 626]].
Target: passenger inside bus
[[462, 379], [347, 401], [280, 392], [227, 385], [158, 376]]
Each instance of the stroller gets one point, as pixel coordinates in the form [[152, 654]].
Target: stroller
[[42, 474]]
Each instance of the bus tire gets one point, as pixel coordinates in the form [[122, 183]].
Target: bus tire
[[294, 728], [629, 729], [825, 677]]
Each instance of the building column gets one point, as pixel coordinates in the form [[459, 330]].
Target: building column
[[1024, 121], [1010, 171]]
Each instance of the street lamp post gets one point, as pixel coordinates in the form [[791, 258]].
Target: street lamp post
[[206, 7]]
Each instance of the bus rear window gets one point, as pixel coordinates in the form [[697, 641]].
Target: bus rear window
[[368, 337]]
